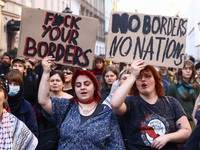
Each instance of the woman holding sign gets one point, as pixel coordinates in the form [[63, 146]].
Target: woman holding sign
[[151, 119], [88, 124]]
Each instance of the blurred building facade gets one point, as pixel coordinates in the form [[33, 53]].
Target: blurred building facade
[[10, 16], [96, 9]]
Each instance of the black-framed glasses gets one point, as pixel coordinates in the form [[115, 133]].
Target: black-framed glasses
[[67, 72]]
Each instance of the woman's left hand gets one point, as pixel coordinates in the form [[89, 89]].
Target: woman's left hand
[[159, 142]]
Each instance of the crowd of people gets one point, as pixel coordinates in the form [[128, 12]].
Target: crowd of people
[[115, 105]]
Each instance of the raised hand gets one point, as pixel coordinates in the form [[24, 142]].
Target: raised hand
[[47, 62], [137, 66]]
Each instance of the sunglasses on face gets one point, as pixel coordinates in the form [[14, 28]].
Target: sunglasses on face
[[67, 72]]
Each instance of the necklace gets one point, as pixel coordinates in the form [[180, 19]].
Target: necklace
[[88, 102], [87, 111]]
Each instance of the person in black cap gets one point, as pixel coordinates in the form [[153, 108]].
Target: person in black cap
[[197, 67], [30, 89], [6, 63]]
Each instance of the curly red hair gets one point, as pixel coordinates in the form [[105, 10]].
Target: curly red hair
[[158, 80], [89, 74]]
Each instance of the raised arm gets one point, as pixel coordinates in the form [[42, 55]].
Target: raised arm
[[117, 101], [43, 92], [179, 136]]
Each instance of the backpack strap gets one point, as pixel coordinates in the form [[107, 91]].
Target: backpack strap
[[170, 105], [68, 108]]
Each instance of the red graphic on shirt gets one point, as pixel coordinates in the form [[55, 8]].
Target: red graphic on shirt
[[146, 116], [150, 131], [147, 129]]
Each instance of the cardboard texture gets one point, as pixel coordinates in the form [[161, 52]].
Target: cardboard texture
[[69, 38], [159, 40]]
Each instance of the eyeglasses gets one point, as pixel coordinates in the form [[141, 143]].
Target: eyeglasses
[[67, 72], [123, 78], [146, 76]]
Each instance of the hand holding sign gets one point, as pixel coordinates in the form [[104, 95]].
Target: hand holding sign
[[47, 62], [137, 66]]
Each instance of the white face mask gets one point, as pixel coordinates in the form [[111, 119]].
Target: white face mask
[[13, 90]]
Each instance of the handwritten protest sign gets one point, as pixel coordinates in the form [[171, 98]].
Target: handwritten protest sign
[[159, 40], [69, 38]]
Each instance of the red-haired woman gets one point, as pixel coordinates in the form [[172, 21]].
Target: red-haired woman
[[88, 124], [150, 117]]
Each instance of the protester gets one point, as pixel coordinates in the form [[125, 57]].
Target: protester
[[98, 67], [126, 65], [30, 74], [186, 90], [14, 134], [124, 74], [150, 117], [56, 84], [88, 124], [57, 81], [115, 85], [30, 89], [6, 64], [19, 107], [68, 72], [116, 64], [109, 76], [166, 74]]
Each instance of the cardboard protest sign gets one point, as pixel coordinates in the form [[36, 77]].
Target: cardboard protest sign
[[159, 40], [69, 38]]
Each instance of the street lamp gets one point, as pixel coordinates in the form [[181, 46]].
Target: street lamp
[[67, 10]]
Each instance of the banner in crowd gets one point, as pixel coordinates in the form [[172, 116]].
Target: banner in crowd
[[67, 37], [158, 40]]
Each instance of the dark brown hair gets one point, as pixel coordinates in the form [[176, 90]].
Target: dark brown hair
[[71, 68], [15, 76], [192, 78], [107, 69], [60, 73]]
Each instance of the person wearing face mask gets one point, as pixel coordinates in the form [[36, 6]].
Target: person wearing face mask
[[30, 88], [19, 107]]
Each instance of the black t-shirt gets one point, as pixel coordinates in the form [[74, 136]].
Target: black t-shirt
[[71, 92], [145, 122], [98, 109]]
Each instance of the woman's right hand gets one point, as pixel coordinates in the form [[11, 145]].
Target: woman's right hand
[[47, 62], [137, 66]]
